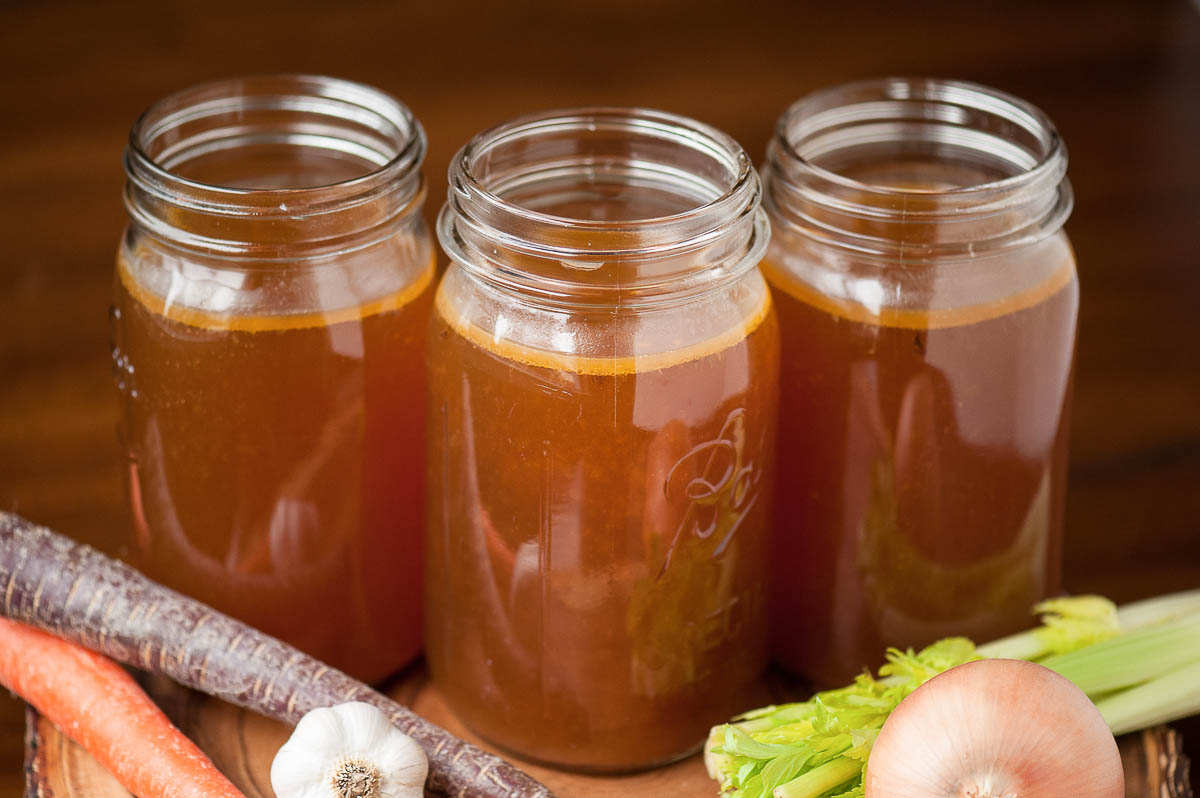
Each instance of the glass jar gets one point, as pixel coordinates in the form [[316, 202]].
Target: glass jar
[[927, 301], [603, 377], [272, 292]]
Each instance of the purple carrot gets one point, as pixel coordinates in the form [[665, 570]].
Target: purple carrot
[[74, 591]]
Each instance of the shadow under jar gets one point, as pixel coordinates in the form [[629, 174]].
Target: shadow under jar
[[603, 377], [272, 300], [927, 300]]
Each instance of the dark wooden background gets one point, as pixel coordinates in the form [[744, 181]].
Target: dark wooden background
[[1121, 78]]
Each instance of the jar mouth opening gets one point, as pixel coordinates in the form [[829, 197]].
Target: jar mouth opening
[[331, 144], [1018, 141], [602, 170], [917, 169], [603, 205]]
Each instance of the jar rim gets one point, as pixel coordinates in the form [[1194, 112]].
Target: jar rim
[[944, 91], [463, 171], [502, 220], [336, 98], [997, 180]]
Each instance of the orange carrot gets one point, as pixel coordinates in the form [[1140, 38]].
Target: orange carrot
[[97, 704]]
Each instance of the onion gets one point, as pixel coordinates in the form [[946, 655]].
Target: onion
[[996, 728]]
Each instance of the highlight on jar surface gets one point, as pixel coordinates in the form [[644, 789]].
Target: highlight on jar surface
[[273, 290], [603, 376], [927, 302]]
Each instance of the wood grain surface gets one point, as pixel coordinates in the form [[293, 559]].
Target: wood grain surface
[[243, 744], [1120, 77]]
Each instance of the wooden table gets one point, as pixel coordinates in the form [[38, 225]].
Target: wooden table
[[1121, 78]]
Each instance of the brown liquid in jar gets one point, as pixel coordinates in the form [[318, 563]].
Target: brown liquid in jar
[[276, 465], [923, 458], [597, 540]]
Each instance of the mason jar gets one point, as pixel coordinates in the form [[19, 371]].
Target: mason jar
[[272, 296], [602, 380], [927, 303]]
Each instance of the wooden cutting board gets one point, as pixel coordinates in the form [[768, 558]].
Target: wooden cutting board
[[242, 745]]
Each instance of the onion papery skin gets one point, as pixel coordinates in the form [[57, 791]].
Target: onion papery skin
[[995, 728]]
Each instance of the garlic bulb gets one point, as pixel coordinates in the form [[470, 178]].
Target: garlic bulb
[[348, 751]]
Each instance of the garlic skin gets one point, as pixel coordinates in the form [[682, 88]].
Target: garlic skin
[[995, 728], [348, 751]]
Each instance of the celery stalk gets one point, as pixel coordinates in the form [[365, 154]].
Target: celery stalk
[[1140, 663], [1169, 697], [1151, 611], [1132, 658], [1032, 646], [1020, 646], [820, 779]]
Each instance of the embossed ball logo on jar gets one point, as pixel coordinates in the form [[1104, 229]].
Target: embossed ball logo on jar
[[713, 488], [721, 495]]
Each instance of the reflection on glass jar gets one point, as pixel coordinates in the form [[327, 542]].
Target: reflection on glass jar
[[603, 376], [272, 297], [927, 300]]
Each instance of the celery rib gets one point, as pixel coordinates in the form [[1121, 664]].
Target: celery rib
[[1148, 612], [1132, 658], [1164, 699], [820, 779]]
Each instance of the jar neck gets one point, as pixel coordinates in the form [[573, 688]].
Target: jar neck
[[603, 207], [917, 169], [274, 168]]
